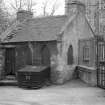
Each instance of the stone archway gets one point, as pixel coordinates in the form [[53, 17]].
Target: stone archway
[[45, 55], [70, 55]]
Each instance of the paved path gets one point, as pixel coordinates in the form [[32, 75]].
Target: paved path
[[72, 93]]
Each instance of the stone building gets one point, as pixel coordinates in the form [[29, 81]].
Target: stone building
[[31, 42], [51, 41], [77, 28]]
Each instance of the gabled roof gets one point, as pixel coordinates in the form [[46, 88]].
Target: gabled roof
[[78, 25], [37, 29]]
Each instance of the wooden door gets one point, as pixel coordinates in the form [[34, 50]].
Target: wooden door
[[45, 56], [10, 61]]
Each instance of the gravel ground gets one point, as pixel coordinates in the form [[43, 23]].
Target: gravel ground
[[72, 93]]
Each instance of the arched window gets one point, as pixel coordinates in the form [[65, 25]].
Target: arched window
[[70, 55]]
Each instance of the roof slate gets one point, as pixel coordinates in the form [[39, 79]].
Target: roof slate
[[37, 29]]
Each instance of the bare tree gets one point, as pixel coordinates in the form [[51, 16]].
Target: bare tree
[[17, 5], [23, 4], [4, 20], [44, 7], [55, 6], [30, 4]]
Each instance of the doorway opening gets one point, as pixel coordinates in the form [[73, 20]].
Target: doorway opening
[[10, 61], [70, 55]]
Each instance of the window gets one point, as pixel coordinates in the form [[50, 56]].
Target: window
[[86, 54], [101, 52]]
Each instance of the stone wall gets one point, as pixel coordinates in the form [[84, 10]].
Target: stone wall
[[89, 43], [87, 75], [76, 28]]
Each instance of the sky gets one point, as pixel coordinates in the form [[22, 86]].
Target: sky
[[37, 9]]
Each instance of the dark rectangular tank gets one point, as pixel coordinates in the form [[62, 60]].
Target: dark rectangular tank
[[33, 76]]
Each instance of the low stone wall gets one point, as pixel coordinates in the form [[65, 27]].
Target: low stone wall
[[60, 77], [87, 74]]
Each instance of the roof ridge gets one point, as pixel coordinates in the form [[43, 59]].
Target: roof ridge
[[47, 26], [57, 16], [68, 22], [72, 19]]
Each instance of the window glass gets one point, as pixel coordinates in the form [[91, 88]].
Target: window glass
[[86, 54]]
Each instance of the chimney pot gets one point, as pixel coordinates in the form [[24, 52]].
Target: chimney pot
[[74, 6]]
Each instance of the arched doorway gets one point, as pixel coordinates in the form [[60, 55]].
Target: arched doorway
[[45, 56], [70, 55]]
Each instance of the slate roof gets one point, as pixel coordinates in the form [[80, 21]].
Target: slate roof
[[9, 30], [37, 29]]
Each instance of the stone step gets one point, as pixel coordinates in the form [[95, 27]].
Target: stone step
[[8, 82]]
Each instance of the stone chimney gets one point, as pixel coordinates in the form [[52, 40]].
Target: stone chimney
[[23, 14], [72, 7]]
